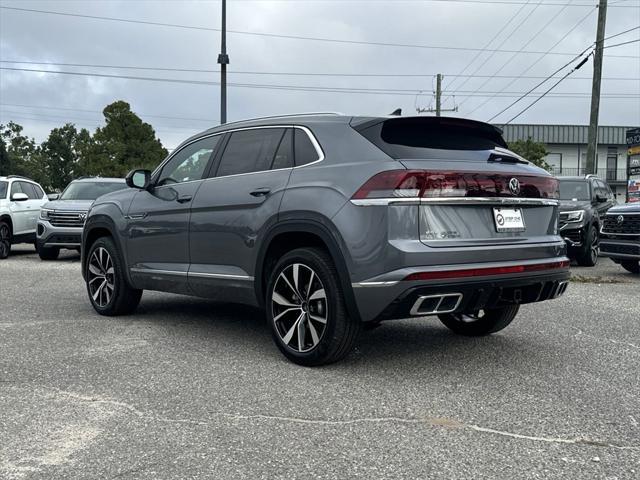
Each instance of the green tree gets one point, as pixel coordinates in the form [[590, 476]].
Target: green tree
[[535, 152], [124, 143], [61, 154], [20, 154]]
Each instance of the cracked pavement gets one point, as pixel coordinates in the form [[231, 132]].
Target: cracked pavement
[[187, 388]]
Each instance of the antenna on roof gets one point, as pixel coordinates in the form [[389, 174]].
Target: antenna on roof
[[397, 112]]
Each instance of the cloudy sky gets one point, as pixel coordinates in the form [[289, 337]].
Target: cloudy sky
[[501, 49]]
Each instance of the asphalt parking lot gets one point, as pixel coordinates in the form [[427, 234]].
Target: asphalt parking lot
[[186, 388]]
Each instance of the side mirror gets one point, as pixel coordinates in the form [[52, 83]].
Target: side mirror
[[138, 179], [19, 197], [53, 196], [601, 198]]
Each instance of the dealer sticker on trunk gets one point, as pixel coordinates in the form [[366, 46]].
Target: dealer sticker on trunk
[[508, 219]]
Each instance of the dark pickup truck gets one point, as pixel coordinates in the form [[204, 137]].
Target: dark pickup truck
[[620, 236]]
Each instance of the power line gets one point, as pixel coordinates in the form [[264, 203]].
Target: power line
[[621, 33], [623, 43], [283, 36], [527, 43], [294, 74], [511, 19], [100, 112], [580, 64], [560, 40], [307, 88], [481, 2]]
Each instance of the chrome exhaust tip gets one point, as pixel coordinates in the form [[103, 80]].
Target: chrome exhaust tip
[[436, 304]]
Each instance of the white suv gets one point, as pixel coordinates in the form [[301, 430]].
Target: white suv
[[20, 202]]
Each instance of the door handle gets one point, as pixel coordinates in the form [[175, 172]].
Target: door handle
[[261, 192], [184, 198]]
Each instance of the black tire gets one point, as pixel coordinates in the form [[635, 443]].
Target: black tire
[[632, 266], [321, 298], [48, 253], [480, 323], [5, 239], [588, 255], [120, 298]]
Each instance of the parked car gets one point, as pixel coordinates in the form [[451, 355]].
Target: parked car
[[620, 236], [61, 220], [583, 202], [634, 197], [20, 202], [331, 223]]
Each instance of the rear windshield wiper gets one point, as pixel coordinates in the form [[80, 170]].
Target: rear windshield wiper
[[505, 158]]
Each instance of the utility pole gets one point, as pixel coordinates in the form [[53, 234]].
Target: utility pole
[[438, 94], [592, 145], [223, 60]]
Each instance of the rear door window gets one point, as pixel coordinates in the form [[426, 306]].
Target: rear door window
[[3, 190], [250, 151], [284, 154], [305, 151]]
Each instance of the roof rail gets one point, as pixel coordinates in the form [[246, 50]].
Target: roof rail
[[591, 175], [21, 176], [288, 115]]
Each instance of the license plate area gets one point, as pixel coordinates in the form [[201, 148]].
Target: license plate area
[[508, 220]]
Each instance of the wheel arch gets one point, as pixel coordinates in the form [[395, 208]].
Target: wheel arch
[[9, 220], [288, 235], [98, 227]]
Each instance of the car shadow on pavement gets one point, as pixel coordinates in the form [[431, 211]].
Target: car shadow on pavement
[[418, 344]]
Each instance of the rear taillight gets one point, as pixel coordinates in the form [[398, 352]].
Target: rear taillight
[[486, 271], [422, 183]]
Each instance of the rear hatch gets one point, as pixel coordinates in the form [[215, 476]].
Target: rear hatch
[[470, 189]]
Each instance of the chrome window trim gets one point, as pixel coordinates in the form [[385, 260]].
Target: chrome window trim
[[455, 201], [312, 138]]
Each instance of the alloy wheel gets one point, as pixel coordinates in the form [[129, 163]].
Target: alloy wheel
[[299, 307], [5, 241], [595, 246], [100, 277]]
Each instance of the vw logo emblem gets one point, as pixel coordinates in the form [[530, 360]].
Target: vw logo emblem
[[514, 186], [620, 219], [82, 217]]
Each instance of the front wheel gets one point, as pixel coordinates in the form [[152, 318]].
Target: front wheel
[[482, 322], [588, 257], [306, 309], [109, 292], [632, 266], [5, 239], [48, 253]]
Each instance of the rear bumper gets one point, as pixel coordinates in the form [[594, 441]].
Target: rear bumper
[[389, 296]]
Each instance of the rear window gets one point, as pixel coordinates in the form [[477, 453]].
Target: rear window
[[414, 137], [250, 151], [3, 189]]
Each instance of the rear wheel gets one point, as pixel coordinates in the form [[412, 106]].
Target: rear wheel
[[482, 322], [107, 286], [306, 310], [48, 253], [632, 266], [588, 256], [5, 239]]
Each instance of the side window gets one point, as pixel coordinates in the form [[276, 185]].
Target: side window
[[305, 151], [250, 151], [189, 163], [284, 154], [39, 191], [16, 187], [30, 190]]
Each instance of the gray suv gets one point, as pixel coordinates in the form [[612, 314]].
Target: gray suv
[[61, 220], [335, 223]]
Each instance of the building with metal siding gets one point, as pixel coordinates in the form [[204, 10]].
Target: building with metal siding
[[567, 147]]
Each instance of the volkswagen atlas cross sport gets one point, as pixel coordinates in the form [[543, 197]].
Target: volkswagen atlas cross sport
[[332, 223]]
